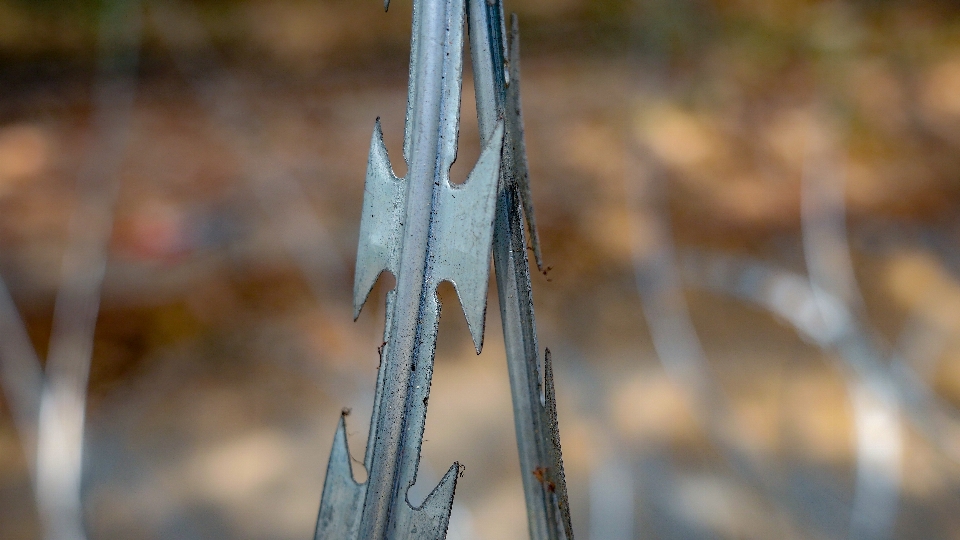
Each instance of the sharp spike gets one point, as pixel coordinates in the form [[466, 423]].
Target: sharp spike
[[381, 225], [516, 146], [431, 520], [465, 234], [556, 474], [342, 500]]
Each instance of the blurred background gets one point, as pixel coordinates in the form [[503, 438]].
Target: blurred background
[[749, 217]]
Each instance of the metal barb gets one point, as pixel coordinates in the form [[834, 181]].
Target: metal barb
[[424, 230], [555, 476], [520, 170]]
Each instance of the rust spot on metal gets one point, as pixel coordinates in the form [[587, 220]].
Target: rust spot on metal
[[541, 475]]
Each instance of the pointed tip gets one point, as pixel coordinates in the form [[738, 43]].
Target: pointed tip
[[521, 172], [386, 5], [442, 495], [431, 520], [341, 449], [525, 199], [339, 464], [476, 332], [381, 224], [473, 301], [358, 304], [360, 298], [474, 304], [439, 502], [342, 499], [553, 431]]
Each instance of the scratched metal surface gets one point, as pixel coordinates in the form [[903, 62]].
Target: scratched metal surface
[[424, 231]]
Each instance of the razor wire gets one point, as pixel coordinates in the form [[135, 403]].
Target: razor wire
[[886, 383]]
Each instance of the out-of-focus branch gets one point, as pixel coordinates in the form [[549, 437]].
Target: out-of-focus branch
[[21, 374], [830, 267], [63, 400]]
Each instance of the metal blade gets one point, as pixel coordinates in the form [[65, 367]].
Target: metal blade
[[556, 480], [381, 227], [519, 171], [342, 498], [424, 230], [464, 234]]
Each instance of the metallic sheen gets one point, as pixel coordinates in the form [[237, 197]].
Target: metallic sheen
[[424, 230], [497, 84]]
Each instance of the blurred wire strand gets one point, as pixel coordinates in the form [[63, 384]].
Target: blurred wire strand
[[60, 433]]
